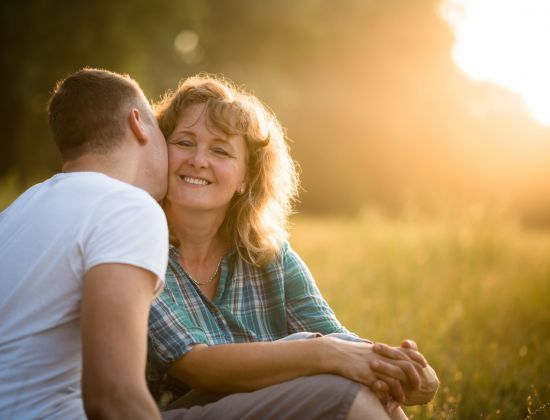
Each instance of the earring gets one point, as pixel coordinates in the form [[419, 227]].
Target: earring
[[241, 191]]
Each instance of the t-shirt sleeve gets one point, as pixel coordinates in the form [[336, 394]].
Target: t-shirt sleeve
[[127, 227], [306, 308]]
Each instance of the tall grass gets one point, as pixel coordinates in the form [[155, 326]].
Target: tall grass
[[473, 291]]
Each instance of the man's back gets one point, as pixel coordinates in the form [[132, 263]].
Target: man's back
[[49, 238]]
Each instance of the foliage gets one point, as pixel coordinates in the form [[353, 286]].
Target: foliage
[[473, 291], [367, 89], [9, 190]]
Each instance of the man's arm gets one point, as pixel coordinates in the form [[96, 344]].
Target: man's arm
[[115, 308]]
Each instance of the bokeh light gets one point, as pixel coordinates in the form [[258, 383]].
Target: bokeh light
[[187, 45]]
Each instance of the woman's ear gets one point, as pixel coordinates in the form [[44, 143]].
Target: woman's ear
[[242, 188], [135, 121]]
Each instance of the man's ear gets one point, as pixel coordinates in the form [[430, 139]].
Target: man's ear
[[135, 120]]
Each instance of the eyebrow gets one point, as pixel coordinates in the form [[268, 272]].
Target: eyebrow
[[224, 140]]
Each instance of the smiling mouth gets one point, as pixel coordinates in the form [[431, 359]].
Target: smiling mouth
[[195, 181]]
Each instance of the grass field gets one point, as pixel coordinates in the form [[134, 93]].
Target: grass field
[[473, 291]]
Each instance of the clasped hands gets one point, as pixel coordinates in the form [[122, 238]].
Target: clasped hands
[[403, 376]]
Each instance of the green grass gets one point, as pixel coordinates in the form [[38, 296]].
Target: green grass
[[473, 291]]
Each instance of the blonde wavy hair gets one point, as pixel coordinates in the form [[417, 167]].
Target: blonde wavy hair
[[256, 221]]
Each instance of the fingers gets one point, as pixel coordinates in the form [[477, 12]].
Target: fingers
[[403, 371], [412, 374], [380, 387], [400, 353], [415, 356], [389, 369], [382, 391], [409, 344], [396, 389], [387, 351]]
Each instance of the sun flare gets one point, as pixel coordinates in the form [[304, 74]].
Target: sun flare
[[506, 42]]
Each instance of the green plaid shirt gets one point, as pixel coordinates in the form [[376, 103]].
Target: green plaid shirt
[[252, 304]]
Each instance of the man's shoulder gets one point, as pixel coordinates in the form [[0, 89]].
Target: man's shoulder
[[97, 188], [97, 181]]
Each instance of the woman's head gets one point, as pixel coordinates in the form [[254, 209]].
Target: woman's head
[[255, 221]]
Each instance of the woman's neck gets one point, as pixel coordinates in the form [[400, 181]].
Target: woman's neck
[[198, 233]]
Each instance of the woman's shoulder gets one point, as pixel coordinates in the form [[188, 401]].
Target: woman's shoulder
[[286, 256], [284, 248], [239, 257]]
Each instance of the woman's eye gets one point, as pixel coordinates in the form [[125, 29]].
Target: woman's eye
[[184, 143], [220, 151]]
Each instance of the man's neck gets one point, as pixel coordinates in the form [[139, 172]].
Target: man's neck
[[107, 165]]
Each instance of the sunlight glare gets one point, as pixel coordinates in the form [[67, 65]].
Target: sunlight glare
[[506, 42]]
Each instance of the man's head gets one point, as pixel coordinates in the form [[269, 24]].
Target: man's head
[[88, 109], [93, 111]]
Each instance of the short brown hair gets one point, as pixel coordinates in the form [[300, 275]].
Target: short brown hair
[[87, 111], [256, 220]]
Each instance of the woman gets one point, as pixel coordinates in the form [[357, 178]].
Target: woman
[[235, 289]]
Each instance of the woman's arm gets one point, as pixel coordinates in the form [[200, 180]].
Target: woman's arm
[[249, 366]]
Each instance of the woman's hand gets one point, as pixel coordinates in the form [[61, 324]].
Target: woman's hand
[[353, 360], [419, 381]]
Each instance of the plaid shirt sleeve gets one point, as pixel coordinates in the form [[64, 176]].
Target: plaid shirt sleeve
[[171, 332], [306, 308]]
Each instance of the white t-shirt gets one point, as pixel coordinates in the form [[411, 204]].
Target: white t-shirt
[[49, 238]]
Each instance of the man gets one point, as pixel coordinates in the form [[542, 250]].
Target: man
[[81, 255]]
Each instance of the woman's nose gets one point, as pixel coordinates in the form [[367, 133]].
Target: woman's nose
[[199, 158]]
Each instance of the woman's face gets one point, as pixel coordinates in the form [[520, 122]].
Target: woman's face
[[206, 167]]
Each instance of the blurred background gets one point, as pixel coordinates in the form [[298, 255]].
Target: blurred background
[[422, 128], [376, 106]]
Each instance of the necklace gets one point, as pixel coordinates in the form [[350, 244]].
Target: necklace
[[212, 277]]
